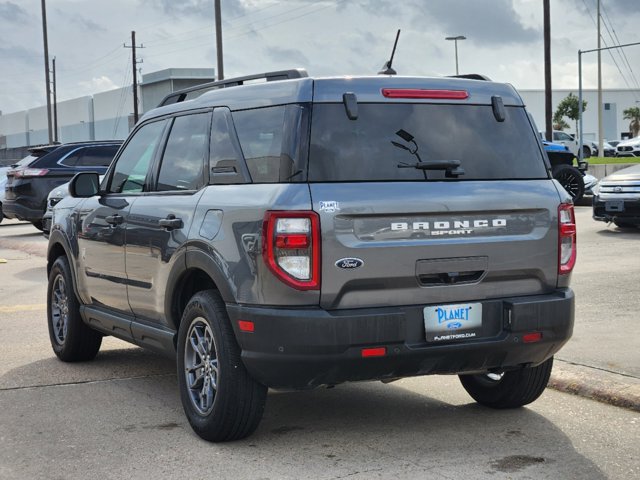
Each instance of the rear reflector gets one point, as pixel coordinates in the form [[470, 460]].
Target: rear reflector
[[374, 352], [246, 326], [532, 337], [421, 93]]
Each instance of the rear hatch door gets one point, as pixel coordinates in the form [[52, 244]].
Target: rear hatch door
[[397, 234]]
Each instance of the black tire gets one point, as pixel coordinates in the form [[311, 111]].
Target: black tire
[[623, 224], [71, 339], [571, 180], [38, 224], [515, 389], [586, 152], [233, 402]]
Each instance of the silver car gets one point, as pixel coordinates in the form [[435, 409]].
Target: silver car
[[617, 198]]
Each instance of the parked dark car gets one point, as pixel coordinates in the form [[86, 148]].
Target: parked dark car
[[617, 198], [29, 183]]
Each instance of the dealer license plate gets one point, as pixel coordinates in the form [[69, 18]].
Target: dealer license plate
[[452, 322]]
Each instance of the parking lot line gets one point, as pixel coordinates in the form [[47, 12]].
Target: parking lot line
[[23, 308]]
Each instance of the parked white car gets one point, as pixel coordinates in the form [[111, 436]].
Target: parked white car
[[570, 141], [629, 148]]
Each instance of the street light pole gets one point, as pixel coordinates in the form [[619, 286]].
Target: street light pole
[[455, 41]]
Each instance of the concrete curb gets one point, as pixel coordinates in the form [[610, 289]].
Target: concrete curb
[[601, 385]]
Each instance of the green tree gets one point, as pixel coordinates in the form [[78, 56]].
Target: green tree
[[633, 114], [568, 107], [559, 123]]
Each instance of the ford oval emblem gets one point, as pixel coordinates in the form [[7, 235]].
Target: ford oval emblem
[[349, 263], [454, 325]]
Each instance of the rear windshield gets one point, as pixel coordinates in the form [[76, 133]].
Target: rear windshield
[[388, 140]]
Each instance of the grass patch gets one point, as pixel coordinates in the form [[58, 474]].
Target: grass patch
[[606, 160]]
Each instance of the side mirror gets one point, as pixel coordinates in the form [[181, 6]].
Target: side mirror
[[84, 185]]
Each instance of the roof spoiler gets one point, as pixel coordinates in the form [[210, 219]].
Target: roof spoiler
[[472, 76], [192, 92]]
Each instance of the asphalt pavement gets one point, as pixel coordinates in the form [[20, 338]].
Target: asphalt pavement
[[120, 415]]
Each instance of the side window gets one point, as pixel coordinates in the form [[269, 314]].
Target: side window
[[97, 156], [272, 141], [70, 159], [225, 157], [132, 165], [183, 158], [260, 134]]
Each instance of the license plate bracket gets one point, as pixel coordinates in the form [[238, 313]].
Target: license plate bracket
[[452, 322], [614, 206]]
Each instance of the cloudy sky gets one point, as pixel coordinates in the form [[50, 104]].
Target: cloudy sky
[[327, 37]]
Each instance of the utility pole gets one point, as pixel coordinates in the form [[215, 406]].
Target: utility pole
[[55, 102], [548, 113], [134, 63], [219, 40], [600, 134], [46, 66]]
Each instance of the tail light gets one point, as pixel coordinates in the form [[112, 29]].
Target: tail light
[[566, 239], [291, 247], [30, 172]]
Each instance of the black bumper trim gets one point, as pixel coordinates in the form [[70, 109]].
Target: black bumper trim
[[308, 347]]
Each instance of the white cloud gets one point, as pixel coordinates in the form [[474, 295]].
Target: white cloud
[[97, 85]]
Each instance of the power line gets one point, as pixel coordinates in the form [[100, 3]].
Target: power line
[[247, 32], [611, 54], [621, 51]]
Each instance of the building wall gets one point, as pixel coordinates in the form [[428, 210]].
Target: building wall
[[103, 116], [111, 113], [75, 120], [14, 128], [37, 126], [614, 101]]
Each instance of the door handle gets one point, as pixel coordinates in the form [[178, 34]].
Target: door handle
[[171, 222], [114, 219]]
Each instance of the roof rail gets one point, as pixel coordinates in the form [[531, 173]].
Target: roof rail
[[472, 76], [192, 92]]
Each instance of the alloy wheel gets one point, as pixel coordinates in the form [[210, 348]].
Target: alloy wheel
[[201, 366]]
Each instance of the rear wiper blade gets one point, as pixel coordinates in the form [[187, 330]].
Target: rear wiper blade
[[452, 167]]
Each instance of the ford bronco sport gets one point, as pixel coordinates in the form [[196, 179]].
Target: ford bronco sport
[[303, 232]]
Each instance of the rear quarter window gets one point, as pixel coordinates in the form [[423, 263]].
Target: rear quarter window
[[273, 142], [373, 147]]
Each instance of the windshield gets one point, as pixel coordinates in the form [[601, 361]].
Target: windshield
[[388, 140]]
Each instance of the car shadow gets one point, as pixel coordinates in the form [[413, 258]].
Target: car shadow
[[360, 428], [611, 230]]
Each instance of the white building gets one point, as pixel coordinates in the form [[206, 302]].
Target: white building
[[615, 101]]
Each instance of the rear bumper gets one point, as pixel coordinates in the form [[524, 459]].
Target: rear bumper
[[13, 209], [305, 348]]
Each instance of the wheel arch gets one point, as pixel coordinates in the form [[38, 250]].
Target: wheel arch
[[59, 246], [200, 272]]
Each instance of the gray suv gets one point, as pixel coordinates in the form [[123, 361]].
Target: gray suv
[[304, 232]]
